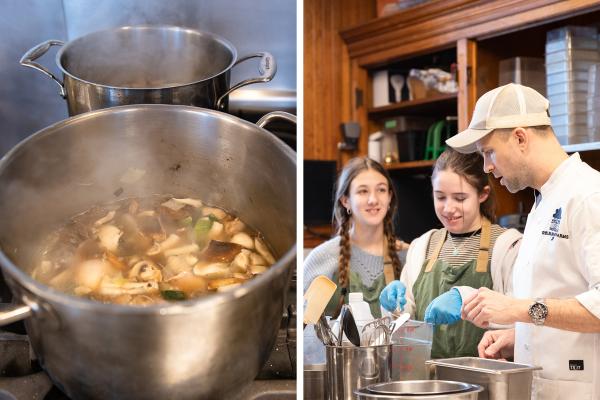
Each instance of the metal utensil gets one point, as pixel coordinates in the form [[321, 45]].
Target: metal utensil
[[350, 328], [398, 322], [324, 332], [376, 332]]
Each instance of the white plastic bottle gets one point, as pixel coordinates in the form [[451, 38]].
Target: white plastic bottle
[[360, 310]]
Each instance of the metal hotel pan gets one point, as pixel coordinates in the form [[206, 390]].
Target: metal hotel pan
[[502, 380]]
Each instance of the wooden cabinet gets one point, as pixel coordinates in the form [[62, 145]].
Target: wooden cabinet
[[480, 33]]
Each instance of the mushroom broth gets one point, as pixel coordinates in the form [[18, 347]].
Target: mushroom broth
[[151, 250]]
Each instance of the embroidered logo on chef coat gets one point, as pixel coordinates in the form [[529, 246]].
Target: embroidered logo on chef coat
[[555, 225]]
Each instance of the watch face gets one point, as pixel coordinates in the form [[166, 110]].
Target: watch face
[[538, 312]]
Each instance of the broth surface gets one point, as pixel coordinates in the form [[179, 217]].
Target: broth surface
[[151, 250]]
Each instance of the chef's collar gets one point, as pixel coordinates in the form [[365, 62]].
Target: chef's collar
[[560, 170]]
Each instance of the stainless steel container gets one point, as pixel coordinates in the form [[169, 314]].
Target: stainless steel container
[[205, 348], [350, 368], [420, 389], [315, 385], [146, 65], [501, 380]]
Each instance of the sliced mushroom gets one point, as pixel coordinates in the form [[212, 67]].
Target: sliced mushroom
[[173, 204], [115, 261], [190, 248], [142, 300], [145, 271], [178, 264], [109, 236], [90, 272], [107, 218], [223, 252], [212, 270], [216, 212], [215, 230], [262, 249], [243, 239], [257, 269], [220, 283], [241, 262], [108, 288], [188, 282], [257, 259], [168, 243], [190, 202], [89, 248], [234, 226]]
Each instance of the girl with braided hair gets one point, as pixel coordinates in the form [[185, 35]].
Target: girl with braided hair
[[443, 266], [363, 253]]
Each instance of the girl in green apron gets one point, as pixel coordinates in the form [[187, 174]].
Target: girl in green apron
[[362, 255], [468, 252]]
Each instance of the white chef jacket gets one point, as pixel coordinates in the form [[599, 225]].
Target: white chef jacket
[[559, 258]]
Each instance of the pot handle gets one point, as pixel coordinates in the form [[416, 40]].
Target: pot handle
[[36, 52], [267, 69], [267, 118], [13, 313]]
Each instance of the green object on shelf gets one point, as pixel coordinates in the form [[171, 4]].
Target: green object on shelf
[[433, 144]]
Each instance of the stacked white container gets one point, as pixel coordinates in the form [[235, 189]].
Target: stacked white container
[[570, 52], [593, 102]]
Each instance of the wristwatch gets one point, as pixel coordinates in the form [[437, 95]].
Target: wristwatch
[[538, 312]]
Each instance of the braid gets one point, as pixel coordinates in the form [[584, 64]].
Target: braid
[[344, 256], [388, 230]]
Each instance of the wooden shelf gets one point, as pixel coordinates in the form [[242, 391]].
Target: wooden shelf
[[444, 104], [409, 165]]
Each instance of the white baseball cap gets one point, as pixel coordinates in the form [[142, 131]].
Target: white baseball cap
[[508, 106]]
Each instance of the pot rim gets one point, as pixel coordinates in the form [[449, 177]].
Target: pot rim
[[185, 306], [213, 36]]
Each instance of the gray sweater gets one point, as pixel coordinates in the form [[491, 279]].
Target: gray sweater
[[323, 260]]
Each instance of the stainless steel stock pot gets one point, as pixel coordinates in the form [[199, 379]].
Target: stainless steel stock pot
[[207, 348], [147, 65]]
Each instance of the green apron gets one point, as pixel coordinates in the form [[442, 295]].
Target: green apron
[[437, 277], [370, 293]]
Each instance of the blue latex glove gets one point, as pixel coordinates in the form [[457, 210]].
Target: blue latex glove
[[393, 296], [444, 309]]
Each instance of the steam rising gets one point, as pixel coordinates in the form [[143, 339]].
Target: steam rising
[[146, 57]]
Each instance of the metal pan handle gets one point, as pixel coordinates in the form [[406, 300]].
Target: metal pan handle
[[36, 52], [10, 313], [267, 68]]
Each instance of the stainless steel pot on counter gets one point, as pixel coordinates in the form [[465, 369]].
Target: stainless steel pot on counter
[[147, 65], [419, 389], [205, 348]]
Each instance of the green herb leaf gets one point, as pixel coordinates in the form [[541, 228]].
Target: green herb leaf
[[201, 229], [173, 295]]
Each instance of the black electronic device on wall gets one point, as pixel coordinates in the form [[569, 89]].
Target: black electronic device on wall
[[319, 182]]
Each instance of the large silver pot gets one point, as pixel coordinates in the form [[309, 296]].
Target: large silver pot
[[146, 65], [419, 390], [204, 348]]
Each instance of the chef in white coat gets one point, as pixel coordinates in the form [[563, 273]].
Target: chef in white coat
[[556, 305]]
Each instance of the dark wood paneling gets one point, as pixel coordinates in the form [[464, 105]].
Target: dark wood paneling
[[442, 28], [327, 92]]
